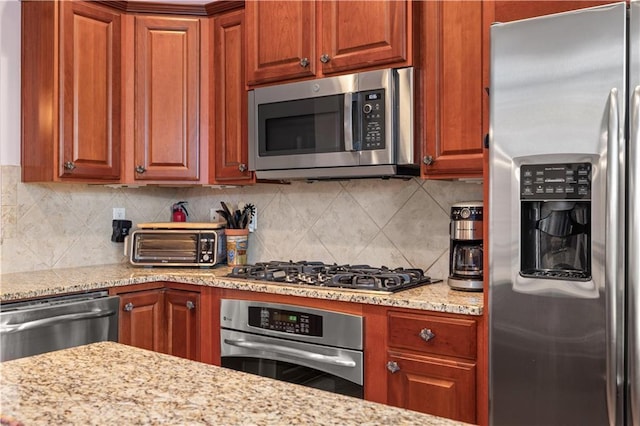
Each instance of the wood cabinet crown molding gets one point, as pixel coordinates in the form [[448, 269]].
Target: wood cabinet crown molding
[[159, 7]]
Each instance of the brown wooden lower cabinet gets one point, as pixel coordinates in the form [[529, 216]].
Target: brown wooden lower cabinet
[[433, 385], [182, 323], [141, 319], [162, 319]]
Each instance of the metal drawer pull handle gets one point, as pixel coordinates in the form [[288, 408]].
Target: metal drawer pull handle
[[190, 305], [29, 325], [69, 165], [428, 160], [242, 167], [297, 353], [128, 307], [140, 169], [325, 58], [393, 366], [304, 62], [426, 334]]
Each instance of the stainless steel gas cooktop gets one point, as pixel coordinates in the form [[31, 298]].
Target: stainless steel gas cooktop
[[353, 277]]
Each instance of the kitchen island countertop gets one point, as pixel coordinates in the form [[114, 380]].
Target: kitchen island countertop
[[111, 383], [434, 297]]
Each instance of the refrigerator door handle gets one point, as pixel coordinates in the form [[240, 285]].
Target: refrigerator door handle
[[612, 239], [633, 284]]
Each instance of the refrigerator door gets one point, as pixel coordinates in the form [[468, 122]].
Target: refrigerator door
[[633, 250], [558, 90]]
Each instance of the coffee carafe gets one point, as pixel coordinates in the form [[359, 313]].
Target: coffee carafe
[[465, 252]]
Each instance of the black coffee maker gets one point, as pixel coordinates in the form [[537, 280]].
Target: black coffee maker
[[465, 253]]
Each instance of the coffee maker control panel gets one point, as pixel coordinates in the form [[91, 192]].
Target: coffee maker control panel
[[555, 181], [466, 213]]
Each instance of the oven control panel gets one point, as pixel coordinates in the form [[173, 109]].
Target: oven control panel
[[285, 321], [555, 181]]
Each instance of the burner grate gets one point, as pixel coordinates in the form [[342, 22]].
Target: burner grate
[[355, 277]]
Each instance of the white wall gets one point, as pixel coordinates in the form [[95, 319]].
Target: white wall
[[9, 82]]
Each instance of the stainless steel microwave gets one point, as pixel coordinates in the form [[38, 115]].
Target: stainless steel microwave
[[176, 247], [356, 125]]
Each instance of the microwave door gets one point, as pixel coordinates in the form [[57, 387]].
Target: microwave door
[[304, 133]]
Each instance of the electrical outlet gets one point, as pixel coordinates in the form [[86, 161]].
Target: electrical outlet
[[118, 213], [213, 215]]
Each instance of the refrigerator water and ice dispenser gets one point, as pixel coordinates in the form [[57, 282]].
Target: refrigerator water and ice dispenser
[[555, 234]]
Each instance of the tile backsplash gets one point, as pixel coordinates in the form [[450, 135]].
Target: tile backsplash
[[380, 222]]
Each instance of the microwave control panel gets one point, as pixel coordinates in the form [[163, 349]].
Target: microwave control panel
[[285, 321], [373, 119], [555, 181]]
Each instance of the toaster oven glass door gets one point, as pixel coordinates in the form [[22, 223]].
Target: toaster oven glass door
[[166, 247]]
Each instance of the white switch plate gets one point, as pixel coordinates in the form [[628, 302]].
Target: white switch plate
[[118, 213]]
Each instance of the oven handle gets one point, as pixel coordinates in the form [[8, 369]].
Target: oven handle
[[297, 353], [12, 328]]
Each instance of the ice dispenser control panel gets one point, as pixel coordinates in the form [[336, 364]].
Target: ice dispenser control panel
[[555, 181]]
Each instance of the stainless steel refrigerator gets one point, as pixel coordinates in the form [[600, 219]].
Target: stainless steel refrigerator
[[564, 219]]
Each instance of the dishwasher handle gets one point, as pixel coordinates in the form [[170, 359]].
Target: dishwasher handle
[[29, 325], [297, 353]]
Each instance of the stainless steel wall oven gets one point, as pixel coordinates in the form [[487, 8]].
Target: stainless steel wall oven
[[312, 347]]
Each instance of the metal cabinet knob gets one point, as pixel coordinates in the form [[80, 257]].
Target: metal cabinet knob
[[426, 334], [140, 169], [242, 167], [393, 366], [325, 58], [128, 307], [69, 165], [428, 160], [190, 305], [304, 62]]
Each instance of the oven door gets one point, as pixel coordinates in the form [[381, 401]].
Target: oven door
[[322, 367]]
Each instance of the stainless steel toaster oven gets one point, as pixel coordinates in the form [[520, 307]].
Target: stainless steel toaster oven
[[176, 247]]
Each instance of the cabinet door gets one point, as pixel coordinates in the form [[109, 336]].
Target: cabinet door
[[182, 314], [142, 319], [167, 89], [71, 84], [452, 98], [361, 34], [435, 386], [90, 92], [229, 125], [280, 40]]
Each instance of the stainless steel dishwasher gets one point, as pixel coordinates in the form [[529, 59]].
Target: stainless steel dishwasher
[[43, 325]]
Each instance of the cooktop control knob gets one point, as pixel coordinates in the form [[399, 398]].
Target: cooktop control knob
[[367, 108], [465, 213]]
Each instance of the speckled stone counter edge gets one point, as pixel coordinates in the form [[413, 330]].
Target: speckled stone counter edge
[[434, 297]]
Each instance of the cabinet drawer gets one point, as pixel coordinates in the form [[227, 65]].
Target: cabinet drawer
[[432, 334]]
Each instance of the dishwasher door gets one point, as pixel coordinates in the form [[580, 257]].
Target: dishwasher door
[[44, 325]]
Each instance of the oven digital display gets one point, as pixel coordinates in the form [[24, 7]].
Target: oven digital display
[[285, 321]]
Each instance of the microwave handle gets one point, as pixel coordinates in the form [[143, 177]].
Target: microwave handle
[[348, 122]]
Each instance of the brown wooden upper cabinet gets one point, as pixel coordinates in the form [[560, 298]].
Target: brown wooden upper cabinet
[[71, 82], [166, 98], [228, 161], [289, 40], [451, 103]]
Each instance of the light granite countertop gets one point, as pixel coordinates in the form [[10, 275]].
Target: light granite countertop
[[434, 297], [110, 383]]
